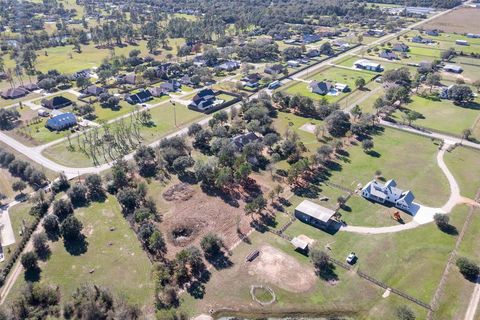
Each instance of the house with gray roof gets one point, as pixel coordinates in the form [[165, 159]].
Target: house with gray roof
[[388, 193], [314, 214], [320, 87]]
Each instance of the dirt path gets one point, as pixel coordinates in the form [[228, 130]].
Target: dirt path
[[474, 301], [423, 214]]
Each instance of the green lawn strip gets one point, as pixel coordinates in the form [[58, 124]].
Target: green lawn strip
[[457, 290], [442, 115], [397, 157], [106, 114], [463, 163], [116, 254], [9, 102], [19, 216], [162, 116]]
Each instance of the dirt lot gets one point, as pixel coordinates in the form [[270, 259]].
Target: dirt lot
[[462, 20], [275, 267], [193, 213]]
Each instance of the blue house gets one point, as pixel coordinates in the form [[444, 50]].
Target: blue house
[[61, 122]]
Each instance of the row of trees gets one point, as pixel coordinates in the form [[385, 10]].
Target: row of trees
[[22, 169]]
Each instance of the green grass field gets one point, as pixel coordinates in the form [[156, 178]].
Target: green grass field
[[116, 254], [19, 217], [443, 115], [463, 163], [106, 114], [395, 155], [162, 116]]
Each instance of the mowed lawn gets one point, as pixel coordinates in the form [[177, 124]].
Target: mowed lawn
[[113, 251], [443, 115], [396, 154], [464, 165], [164, 123]]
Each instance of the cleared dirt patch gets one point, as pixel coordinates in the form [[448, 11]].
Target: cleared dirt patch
[[181, 191], [462, 20], [193, 213], [275, 267]]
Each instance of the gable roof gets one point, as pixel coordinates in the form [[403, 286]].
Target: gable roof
[[320, 86], [56, 102], [243, 139], [314, 210], [13, 93]]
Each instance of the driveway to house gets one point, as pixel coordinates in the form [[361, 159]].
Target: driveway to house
[[421, 214]]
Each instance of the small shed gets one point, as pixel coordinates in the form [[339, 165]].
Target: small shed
[[300, 244]]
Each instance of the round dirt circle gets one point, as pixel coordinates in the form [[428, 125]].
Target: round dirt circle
[[262, 294]]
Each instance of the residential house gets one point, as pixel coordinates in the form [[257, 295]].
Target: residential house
[[57, 102], [86, 73], [461, 42], [30, 86], [157, 91], [473, 35], [239, 141], [453, 68], [311, 38], [139, 97], [320, 87], [14, 93], [94, 90], [388, 193], [251, 80], [185, 80], [443, 94], [204, 100], [375, 33], [275, 69], [171, 86], [368, 65], [314, 214], [400, 47], [312, 53], [229, 65], [62, 121], [293, 63], [388, 54], [433, 32], [420, 39]]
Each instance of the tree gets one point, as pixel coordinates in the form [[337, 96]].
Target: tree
[[29, 261], [468, 268], [78, 194], [129, 199], [40, 244], [410, 116], [71, 228], [466, 134], [433, 79], [460, 94], [367, 145], [211, 245], [356, 111], [404, 313], [94, 185], [320, 260], [442, 220], [156, 243], [83, 82], [360, 83], [51, 225], [19, 185], [62, 208], [338, 123]]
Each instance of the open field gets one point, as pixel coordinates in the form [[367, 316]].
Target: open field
[[162, 116], [443, 115], [19, 217], [108, 253], [66, 60], [395, 155], [461, 20], [463, 163], [106, 114], [397, 259]]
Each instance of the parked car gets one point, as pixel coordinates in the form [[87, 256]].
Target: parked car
[[351, 258]]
